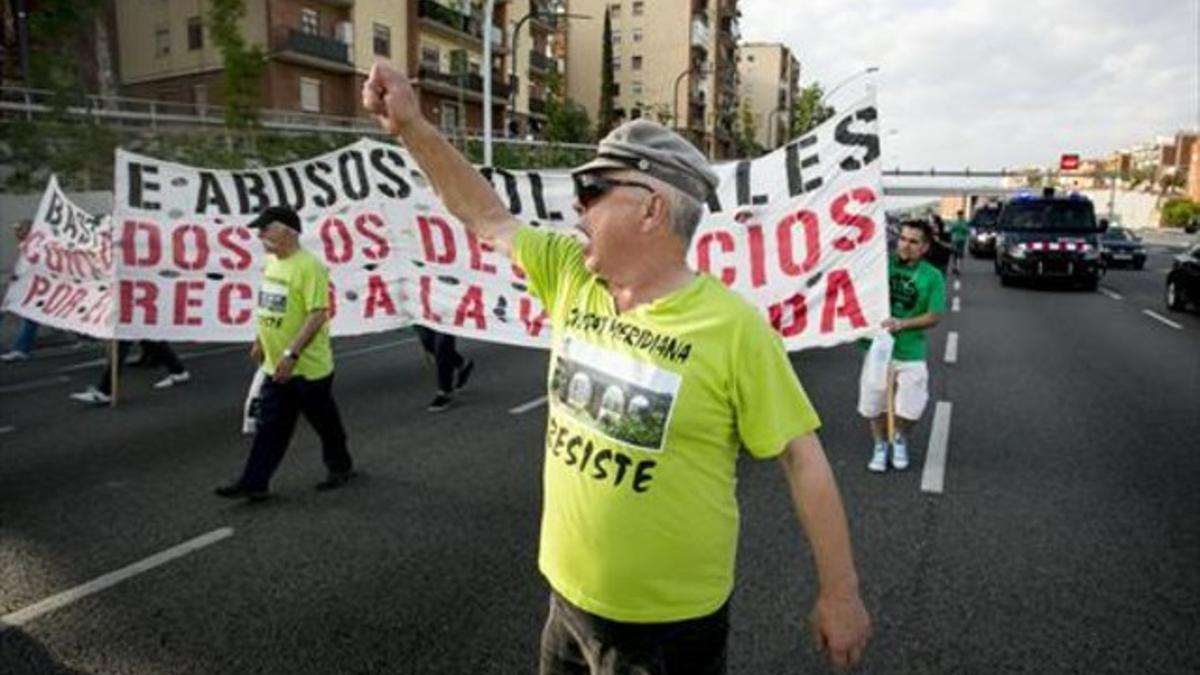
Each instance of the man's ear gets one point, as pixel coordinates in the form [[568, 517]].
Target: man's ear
[[655, 212]]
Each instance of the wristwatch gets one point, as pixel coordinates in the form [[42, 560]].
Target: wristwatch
[[289, 354]]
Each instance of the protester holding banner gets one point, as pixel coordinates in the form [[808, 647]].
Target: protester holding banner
[[918, 293], [659, 376], [292, 346], [453, 370], [27, 334], [154, 351]]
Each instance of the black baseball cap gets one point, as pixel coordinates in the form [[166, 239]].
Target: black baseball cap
[[276, 214]]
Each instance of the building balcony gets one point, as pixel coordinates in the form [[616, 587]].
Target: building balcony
[[541, 63], [318, 51], [537, 106], [701, 35], [456, 24], [344, 4], [452, 84]]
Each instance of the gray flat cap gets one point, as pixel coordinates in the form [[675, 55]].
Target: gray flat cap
[[642, 145]]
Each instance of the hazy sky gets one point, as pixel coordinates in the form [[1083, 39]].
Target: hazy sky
[[992, 83]]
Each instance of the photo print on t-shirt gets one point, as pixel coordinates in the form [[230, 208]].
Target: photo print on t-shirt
[[614, 394], [272, 297]]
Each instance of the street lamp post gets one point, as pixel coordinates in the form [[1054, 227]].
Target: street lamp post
[[774, 126], [866, 71], [488, 12], [675, 102]]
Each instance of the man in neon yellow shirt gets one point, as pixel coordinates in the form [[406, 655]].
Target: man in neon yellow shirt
[[292, 345], [659, 376]]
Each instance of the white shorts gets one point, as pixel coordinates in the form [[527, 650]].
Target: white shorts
[[912, 391]]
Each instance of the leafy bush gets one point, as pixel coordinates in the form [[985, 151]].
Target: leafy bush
[[1179, 212]]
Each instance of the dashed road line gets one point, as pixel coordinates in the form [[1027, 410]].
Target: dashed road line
[[85, 365], [7, 430], [373, 348], [1111, 293], [957, 285], [527, 406], [23, 616], [956, 305], [1162, 319], [933, 476], [951, 347], [34, 384]]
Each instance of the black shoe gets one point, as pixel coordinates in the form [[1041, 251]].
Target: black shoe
[[238, 491], [439, 403], [463, 374], [336, 479]]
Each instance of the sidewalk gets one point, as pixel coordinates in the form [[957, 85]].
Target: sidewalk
[[1165, 236]]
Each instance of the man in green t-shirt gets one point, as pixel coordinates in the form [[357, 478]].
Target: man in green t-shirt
[[960, 232], [658, 377], [918, 295], [292, 347]]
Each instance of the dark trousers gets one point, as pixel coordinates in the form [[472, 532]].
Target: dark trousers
[[159, 352], [575, 642], [281, 405], [445, 356]]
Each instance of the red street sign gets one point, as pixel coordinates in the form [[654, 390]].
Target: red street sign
[[1068, 163]]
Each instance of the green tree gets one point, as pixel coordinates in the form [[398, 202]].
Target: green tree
[[60, 29], [566, 120], [809, 110], [243, 66], [1179, 212], [607, 117], [747, 132]]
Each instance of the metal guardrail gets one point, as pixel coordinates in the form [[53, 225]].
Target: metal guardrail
[[30, 104]]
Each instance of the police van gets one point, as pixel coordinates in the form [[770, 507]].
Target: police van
[[1049, 237]]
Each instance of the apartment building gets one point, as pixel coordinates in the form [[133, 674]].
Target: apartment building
[[673, 61], [318, 51], [769, 82], [532, 60], [447, 62]]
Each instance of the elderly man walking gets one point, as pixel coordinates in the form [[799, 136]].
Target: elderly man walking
[[292, 345], [660, 375]]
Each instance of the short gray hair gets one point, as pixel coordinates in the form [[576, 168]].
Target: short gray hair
[[683, 209]]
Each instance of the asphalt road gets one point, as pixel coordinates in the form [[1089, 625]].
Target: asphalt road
[[1066, 539]]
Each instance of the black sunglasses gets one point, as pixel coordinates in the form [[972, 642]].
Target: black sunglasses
[[590, 186]]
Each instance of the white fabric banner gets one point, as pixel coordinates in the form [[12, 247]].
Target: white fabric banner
[[63, 273], [798, 232]]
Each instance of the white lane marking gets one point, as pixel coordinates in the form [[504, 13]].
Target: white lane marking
[[1111, 293], [956, 305], [526, 407], [933, 477], [7, 430], [1162, 319], [372, 349], [957, 285], [951, 347], [82, 366], [23, 616], [34, 384], [182, 357]]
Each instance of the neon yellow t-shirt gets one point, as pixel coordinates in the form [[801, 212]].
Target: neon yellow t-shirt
[[648, 410], [292, 288]]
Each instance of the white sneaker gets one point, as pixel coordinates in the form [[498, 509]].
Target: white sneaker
[[14, 355], [878, 462], [92, 396], [900, 453], [172, 380]]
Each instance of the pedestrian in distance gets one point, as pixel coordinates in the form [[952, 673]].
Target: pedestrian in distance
[[157, 351], [292, 346], [960, 232], [453, 370], [918, 296], [659, 375]]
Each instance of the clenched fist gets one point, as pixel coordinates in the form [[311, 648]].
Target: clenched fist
[[388, 95]]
